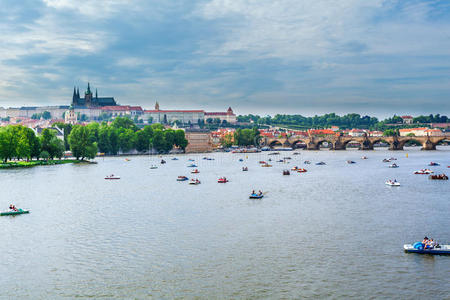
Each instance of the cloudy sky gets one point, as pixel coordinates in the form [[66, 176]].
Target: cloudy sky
[[375, 57]]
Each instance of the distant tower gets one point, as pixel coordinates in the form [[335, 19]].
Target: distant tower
[[88, 96], [229, 111], [74, 97], [157, 106], [70, 117], [78, 93], [96, 94]]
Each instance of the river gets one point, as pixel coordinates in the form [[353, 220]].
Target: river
[[336, 231]]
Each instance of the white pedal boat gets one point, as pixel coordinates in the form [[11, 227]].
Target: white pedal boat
[[443, 250]]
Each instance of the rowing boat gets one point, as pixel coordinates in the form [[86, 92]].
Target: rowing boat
[[14, 212]]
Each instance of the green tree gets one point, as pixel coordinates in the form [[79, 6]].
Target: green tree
[[113, 140], [46, 115], [180, 139], [44, 155], [123, 122], [169, 139], [51, 144], [104, 144], [157, 140], [143, 138], [389, 132], [127, 139], [81, 144]]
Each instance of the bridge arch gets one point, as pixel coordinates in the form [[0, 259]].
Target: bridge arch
[[295, 143], [350, 141], [275, 143], [319, 143]]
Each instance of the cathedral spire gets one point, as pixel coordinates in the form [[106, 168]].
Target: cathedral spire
[[88, 89], [78, 93], [157, 106], [96, 94], [74, 94]]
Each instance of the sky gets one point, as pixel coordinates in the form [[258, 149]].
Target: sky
[[373, 57]]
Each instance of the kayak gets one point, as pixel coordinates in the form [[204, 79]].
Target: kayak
[[443, 250], [222, 180], [112, 177], [254, 196], [182, 178], [13, 213]]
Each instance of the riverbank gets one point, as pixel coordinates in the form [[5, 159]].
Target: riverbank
[[34, 163]]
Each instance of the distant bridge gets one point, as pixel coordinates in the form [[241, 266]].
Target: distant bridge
[[365, 142]]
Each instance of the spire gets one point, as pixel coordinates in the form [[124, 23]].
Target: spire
[[96, 94], [74, 95], [157, 106], [78, 93], [88, 89]]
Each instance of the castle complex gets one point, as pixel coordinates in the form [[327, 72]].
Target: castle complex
[[88, 101], [91, 107]]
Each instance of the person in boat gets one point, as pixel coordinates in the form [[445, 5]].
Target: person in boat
[[427, 244], [432, 243], [253, 192], [259, 193], [12, 207]]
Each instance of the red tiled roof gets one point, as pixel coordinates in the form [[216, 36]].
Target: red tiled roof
[[406, 117], [215, 114], [321, 131], [115, 108], [122, 108], [138, 108], [165, 111]]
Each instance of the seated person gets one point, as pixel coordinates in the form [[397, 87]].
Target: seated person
[[432, 243]]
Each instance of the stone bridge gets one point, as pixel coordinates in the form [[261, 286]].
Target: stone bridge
[[365, 142]]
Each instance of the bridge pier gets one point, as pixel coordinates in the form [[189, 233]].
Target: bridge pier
[[312, 146], [395, 145], [338, 145], [366, 145], [428, 145]]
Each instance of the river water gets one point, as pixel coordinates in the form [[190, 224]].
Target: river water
[[336, 231]]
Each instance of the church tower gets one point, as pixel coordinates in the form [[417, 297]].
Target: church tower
[[88, 96], [157, 106], [74, 97]]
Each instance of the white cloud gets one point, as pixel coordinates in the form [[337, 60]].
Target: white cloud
[[294, 29]]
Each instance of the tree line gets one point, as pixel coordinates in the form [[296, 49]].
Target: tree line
[[123, 135], [347, 121], [20, 142]]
